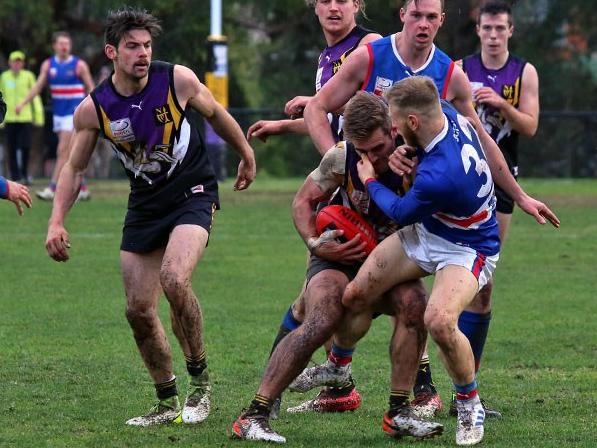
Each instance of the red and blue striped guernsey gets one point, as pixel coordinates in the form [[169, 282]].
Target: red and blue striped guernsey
[[66, 87], [386, 67]]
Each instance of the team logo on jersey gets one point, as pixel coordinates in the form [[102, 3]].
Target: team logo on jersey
[[508, 93], [122, 130], [382, 85], [53, 72], [162, 114]]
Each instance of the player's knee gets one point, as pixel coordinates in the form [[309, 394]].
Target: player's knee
[[353, 299], [481, 304], [439, 325], [139, 317], [410, 302], [173, 283], [313, 333]]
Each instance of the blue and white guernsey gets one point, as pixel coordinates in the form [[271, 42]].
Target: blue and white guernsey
[[386, 67], [66, 88], [453, 192]]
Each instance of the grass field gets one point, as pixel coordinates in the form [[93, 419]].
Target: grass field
[[70, 374]]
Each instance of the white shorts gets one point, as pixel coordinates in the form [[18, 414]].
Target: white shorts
[[433, 253], [63, 123]]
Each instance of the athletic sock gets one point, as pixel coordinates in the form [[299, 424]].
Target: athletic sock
[[398, 399], [261, 405], [167, 389], [475, 327], [466, 392], [424, 380], [53, 186], [196, 365], [340, 356], [289, 323]]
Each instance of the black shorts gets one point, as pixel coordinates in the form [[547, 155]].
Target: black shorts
[[144, 233], [316, 265], [504, 203]]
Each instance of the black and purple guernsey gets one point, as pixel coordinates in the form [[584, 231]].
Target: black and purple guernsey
[[161, 151], [506, 82], [330, 60]]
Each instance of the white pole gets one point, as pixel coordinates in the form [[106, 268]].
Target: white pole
[[216, 18]]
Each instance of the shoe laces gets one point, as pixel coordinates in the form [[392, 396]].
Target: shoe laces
[[196, 393], [465, 418]]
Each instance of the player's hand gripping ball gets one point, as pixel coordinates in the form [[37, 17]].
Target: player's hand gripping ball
[[338, 217]]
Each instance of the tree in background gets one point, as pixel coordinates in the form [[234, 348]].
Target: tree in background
[[273, 46]]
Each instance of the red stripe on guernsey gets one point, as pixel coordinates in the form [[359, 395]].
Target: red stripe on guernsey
[[369, 67], [447, 80], [68, 91], [464, 222], [478, 265]]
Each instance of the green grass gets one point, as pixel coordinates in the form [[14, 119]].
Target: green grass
[[71, 374]]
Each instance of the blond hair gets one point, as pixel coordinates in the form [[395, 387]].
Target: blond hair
[[363, 114], [312, 3], [416, 95]]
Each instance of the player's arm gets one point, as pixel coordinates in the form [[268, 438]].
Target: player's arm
[[189, 90], [264, 128], [525, 118], [371, 37], [459, 93], [82, 144], [421, 200], [41, 81], [318, 187], [333, 96], [84, 73]]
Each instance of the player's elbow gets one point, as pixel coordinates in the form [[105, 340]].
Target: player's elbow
[[530, 130]]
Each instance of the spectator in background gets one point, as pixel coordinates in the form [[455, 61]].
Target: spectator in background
[[70, 80], [13, 191], [15, 83]]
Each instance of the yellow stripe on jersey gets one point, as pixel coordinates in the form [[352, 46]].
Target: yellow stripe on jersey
[[174, 125], [516, 96]]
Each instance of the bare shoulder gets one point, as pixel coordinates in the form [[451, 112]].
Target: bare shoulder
[[371, 37], [529, 72], [186, 84], [45, 66], [459, 87], [86, 115]]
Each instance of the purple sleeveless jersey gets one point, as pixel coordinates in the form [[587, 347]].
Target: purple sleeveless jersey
[[506, 81], [330, 60], [160, 150]]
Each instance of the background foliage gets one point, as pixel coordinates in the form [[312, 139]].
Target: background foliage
[[273, 55]]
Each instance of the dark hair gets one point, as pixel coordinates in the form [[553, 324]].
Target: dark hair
[[58, 34], [495, 7], [123, 20], [407, 2], [363, 114]]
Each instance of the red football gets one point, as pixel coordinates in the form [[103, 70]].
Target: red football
[[338, 217]]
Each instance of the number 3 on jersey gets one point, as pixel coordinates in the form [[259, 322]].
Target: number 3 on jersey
[[475, 153]]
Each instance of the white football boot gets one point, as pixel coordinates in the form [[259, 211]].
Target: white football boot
[[327, 374], [471, 416]]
